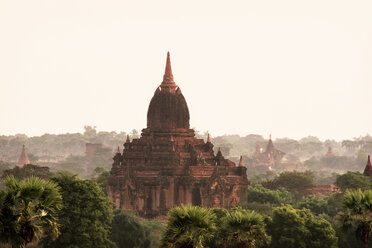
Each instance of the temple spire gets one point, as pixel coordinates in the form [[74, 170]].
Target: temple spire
[[23, 158], [329, 154], [209, 138], [118, 150], [168, 81], [168, 68], [241, 162], [128, 140], [368, 169]]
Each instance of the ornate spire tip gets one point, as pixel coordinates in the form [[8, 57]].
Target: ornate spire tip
[[241, 161], [168, 75]]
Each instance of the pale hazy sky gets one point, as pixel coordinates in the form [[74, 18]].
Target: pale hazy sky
[[292, 68]]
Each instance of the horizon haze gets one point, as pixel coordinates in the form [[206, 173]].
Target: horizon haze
[[290, 68]]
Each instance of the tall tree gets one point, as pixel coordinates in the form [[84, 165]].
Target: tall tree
[[85, 217], [298, 183], [27, 209], [130, 231], [293, 228], [315, 204], [243, 229], [357, 214], [188, 227], [353, 180]]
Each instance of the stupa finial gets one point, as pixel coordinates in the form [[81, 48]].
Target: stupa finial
[[241, 161], [168, 81], [168, 68]]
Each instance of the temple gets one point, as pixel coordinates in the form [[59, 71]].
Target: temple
[[168, 166], [329, 153], [368, 170], [268, 158], [23, 158]]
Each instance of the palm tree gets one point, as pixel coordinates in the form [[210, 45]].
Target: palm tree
[[27, 208], [358, 211], [188, 227], [243, 229]]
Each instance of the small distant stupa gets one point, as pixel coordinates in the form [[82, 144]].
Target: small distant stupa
[[330, 153], [23, 158], [368, 170]]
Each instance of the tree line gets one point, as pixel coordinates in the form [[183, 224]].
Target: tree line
[[40, 208]]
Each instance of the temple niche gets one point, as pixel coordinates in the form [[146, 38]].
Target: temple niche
[[168, 166]]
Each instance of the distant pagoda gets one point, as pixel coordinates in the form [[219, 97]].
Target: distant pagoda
[[368, 170], [167, 166], [329, 153], [23, 158], [269, 157]]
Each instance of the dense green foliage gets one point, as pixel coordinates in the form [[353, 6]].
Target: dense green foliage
[[287, 227], [243, 229], [353, 225], [28, 170], [128, 230], [192, 226], [353, 180], [357, 214], [101, 176], [294, 228], [188, 226], [85, 212], [298, 183], [315, 204], [258, 193], [27, 209], [85, 217]]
